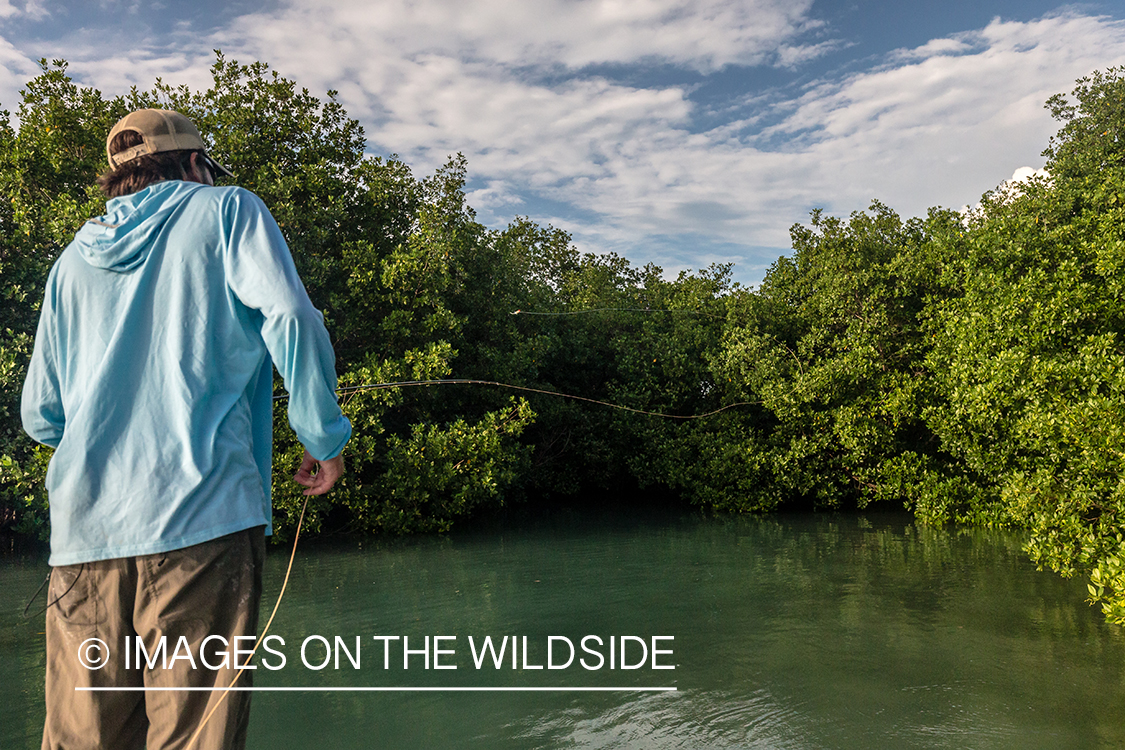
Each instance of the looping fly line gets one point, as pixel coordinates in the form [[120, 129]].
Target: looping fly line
[[615, 309], [470, 381]]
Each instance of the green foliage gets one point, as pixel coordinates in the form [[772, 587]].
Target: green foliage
[[665, 365], [970, 367], [1029, 355], [436, 476], [833, 347]]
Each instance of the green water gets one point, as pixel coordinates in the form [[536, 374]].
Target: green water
[[788, 632]]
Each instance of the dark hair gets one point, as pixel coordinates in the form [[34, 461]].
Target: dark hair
[[139, 173]]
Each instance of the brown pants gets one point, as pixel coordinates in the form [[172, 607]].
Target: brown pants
[[180, 597]]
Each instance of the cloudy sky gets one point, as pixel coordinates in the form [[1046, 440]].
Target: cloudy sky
[[678, 132]]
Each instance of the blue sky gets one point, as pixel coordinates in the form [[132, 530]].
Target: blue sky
[[681, 133]]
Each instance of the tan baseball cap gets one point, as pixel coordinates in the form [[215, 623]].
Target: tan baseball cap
[[162, 130]]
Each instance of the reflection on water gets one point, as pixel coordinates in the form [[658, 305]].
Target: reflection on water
[[811, 631]]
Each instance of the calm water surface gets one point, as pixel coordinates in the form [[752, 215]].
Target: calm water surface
[[811, 631]]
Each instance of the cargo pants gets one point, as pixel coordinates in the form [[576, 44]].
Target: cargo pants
[[172, 602]]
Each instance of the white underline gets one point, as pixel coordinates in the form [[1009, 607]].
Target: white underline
[[379, 689]]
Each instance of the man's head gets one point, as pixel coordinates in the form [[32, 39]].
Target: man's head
[[152, 145]]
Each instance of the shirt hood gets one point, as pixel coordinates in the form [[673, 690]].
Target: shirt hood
[[121, 239]]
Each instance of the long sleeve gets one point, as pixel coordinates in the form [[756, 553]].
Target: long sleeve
[[261, 273], [41, 407]]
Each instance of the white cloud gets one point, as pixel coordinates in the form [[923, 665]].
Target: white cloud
[[700, 34], [34, 9], [937, 124], [508, 84], [1007, 190], [430, 79], [1023, 174], [929, 131], [496, 194], [16, 69], [138, 67]]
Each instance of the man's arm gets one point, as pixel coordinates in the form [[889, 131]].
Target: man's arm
[[261, 273], [41, 407]]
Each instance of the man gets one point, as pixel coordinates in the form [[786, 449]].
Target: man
[[152, 379]]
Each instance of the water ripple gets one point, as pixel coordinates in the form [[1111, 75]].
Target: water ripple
[[695, 720]]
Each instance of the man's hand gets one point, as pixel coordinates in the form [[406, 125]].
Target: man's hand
[[327, 472]]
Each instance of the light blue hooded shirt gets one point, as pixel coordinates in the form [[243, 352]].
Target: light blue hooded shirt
[[152, 374]]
